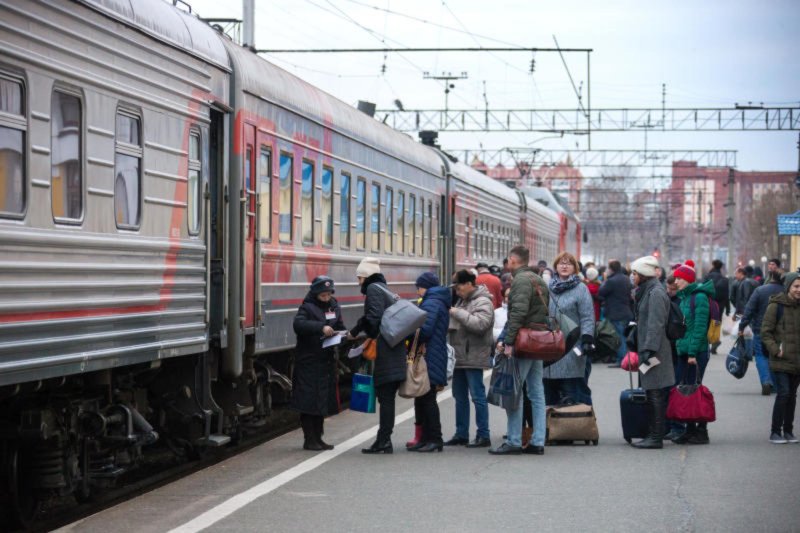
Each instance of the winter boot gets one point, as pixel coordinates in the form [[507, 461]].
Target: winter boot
[[700, 435], [310, 441], [654, 439], [319, 422], [417, 436]]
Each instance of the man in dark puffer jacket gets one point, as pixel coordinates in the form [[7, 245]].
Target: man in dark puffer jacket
[[436, 302]]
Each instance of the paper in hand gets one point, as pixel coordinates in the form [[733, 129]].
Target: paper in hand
[[645, 367], [355, 352], [332, 341]]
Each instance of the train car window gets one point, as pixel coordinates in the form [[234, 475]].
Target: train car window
[[412, 226], [194, 198], [327, 206], [66, 147], [435, 235], [307, 202], [430, 229], [265, 193], [401, 222], [422, 226], [388, 239], [344, 213], [13, 128], [127, 170], [361, 213], [285, 207], [375, 217]]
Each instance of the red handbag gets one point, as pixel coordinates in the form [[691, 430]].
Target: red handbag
[[543, 342], [691, 403]]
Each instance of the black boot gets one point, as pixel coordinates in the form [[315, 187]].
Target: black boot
[[430, 447], [310, 441], [700, 435], [654, 439], [319, 422], [379, 446]]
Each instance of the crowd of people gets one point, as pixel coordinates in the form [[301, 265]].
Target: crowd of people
[[479, 315]]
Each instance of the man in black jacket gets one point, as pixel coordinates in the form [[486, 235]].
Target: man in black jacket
[[745, 285], [721, 292], [615, 295]]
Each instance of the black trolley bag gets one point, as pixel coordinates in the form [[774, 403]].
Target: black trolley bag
[[634, 412]]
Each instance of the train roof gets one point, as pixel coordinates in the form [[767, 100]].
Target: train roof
[[166, 23], [469, 175], [259, 77], [546, 197]]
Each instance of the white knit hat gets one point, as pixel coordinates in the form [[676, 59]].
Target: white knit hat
[[646, 266], [592, 273], [368, 266]]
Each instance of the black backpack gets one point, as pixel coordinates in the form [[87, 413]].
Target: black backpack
[[676, 322]]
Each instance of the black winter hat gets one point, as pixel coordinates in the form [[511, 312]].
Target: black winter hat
[[322, 284]]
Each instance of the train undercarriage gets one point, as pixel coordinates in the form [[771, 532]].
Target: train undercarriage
[[80, 434]]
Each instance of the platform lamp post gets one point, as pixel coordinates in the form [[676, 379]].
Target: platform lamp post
[[763, 263]]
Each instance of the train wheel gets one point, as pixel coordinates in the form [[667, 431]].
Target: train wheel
[[23, 502]]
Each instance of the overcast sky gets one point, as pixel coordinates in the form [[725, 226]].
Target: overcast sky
[[710, 54]]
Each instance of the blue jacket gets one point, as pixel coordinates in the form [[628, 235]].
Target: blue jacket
[[757, 306], [433, 333]]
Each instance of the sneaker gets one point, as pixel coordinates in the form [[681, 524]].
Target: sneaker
[[789, 436], [777, 438], [506, 449]]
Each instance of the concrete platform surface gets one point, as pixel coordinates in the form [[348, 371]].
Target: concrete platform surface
[[740, 482]]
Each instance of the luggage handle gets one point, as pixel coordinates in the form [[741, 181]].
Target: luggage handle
[[630, 377]]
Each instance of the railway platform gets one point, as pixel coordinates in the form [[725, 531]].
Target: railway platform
[[740, 482]]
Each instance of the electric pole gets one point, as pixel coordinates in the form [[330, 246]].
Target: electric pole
[[446, 77], [729, 223]]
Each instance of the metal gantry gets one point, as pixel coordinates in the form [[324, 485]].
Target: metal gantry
[[510, 156], [577, 121]]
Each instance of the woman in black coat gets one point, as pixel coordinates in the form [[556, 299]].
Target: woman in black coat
[[314, 382], [390, 363]]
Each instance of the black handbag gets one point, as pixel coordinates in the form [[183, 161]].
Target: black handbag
[[631, 337]]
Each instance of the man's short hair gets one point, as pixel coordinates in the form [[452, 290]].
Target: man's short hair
[[615, 266], [521, 253], [741, 271], [717, 264], [749, 270], [776, 261]]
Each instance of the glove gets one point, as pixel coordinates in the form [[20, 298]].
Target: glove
[[587, 344], [645, 355]]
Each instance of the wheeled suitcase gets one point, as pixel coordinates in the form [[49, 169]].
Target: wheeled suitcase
[[634, 412], [569, 423]]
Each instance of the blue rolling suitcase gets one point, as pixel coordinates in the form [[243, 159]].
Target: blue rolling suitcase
[[634, 411]]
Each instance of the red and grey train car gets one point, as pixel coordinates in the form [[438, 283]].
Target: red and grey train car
[[166, 196]]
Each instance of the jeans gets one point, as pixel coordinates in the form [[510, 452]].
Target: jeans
[[762, 362], [469, 382], [386, 395], [690, 371], [783, 412], [619, 325], [531, 373], [426, 411]]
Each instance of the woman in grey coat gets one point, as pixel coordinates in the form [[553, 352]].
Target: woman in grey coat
[[652, 313], [569, 377]]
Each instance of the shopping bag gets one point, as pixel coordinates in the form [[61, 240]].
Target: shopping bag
[[362, 395], [738, 359], [505, 387], [691, 403], [451, 361]]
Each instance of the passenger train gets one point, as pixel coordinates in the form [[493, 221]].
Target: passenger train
[[166, 196]]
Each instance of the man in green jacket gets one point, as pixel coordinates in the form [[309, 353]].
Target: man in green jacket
[[780, 334], [527, 305], [693, 347]]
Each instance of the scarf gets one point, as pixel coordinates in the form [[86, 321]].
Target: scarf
[[558, 286]]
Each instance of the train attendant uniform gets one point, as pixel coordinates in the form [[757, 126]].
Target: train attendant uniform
[[314, 383]]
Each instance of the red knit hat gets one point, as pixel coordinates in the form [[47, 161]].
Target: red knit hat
[[685, 272], [689, 263]]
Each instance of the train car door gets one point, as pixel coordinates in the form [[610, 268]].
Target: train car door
[[248, 218]]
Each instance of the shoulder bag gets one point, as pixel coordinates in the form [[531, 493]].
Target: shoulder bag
[[417, 382], [400, 319], [691, 402], [543, 342]]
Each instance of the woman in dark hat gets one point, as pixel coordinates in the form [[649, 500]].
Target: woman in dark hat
[[314, 383]]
